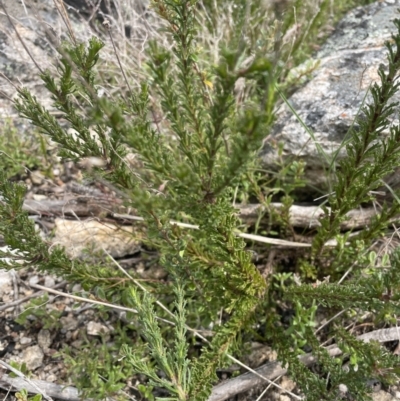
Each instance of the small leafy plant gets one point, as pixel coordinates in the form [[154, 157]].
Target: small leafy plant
[[24, 396], [36, 310]]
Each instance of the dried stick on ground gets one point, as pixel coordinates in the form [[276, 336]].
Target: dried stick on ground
[[308, 216], [272, 370], [300, 216], [28, 382], [27, 298], [53, 390]]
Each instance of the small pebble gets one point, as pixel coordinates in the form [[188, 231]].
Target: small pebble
[[37, 177], [34, 280], [51, 378], [33, 357], [25, 340], [49, 281], [44, 339], [96, 329], [68, 323], [39, 197]]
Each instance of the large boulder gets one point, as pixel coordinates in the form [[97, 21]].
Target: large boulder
[[329, 102]]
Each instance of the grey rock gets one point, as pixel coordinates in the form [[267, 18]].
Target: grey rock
[[34, 280], [33, 357], [96, 329], [76, 288], [37, 177], [68, 323], [15, 62], [76, 236], [77, 344], [25, 340], [49, 281], [329, 102], [382, 396], [42, 29], [44, 339], [51, 378]]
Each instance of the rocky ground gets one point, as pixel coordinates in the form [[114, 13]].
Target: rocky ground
[[41, 329]]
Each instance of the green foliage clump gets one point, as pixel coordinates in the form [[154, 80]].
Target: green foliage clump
[[33, 310], [17, 154], [99, 370]]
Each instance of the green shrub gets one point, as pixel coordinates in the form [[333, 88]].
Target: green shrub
[[191, 163]]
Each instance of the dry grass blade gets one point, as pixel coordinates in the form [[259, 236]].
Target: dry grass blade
[[59, 4]]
